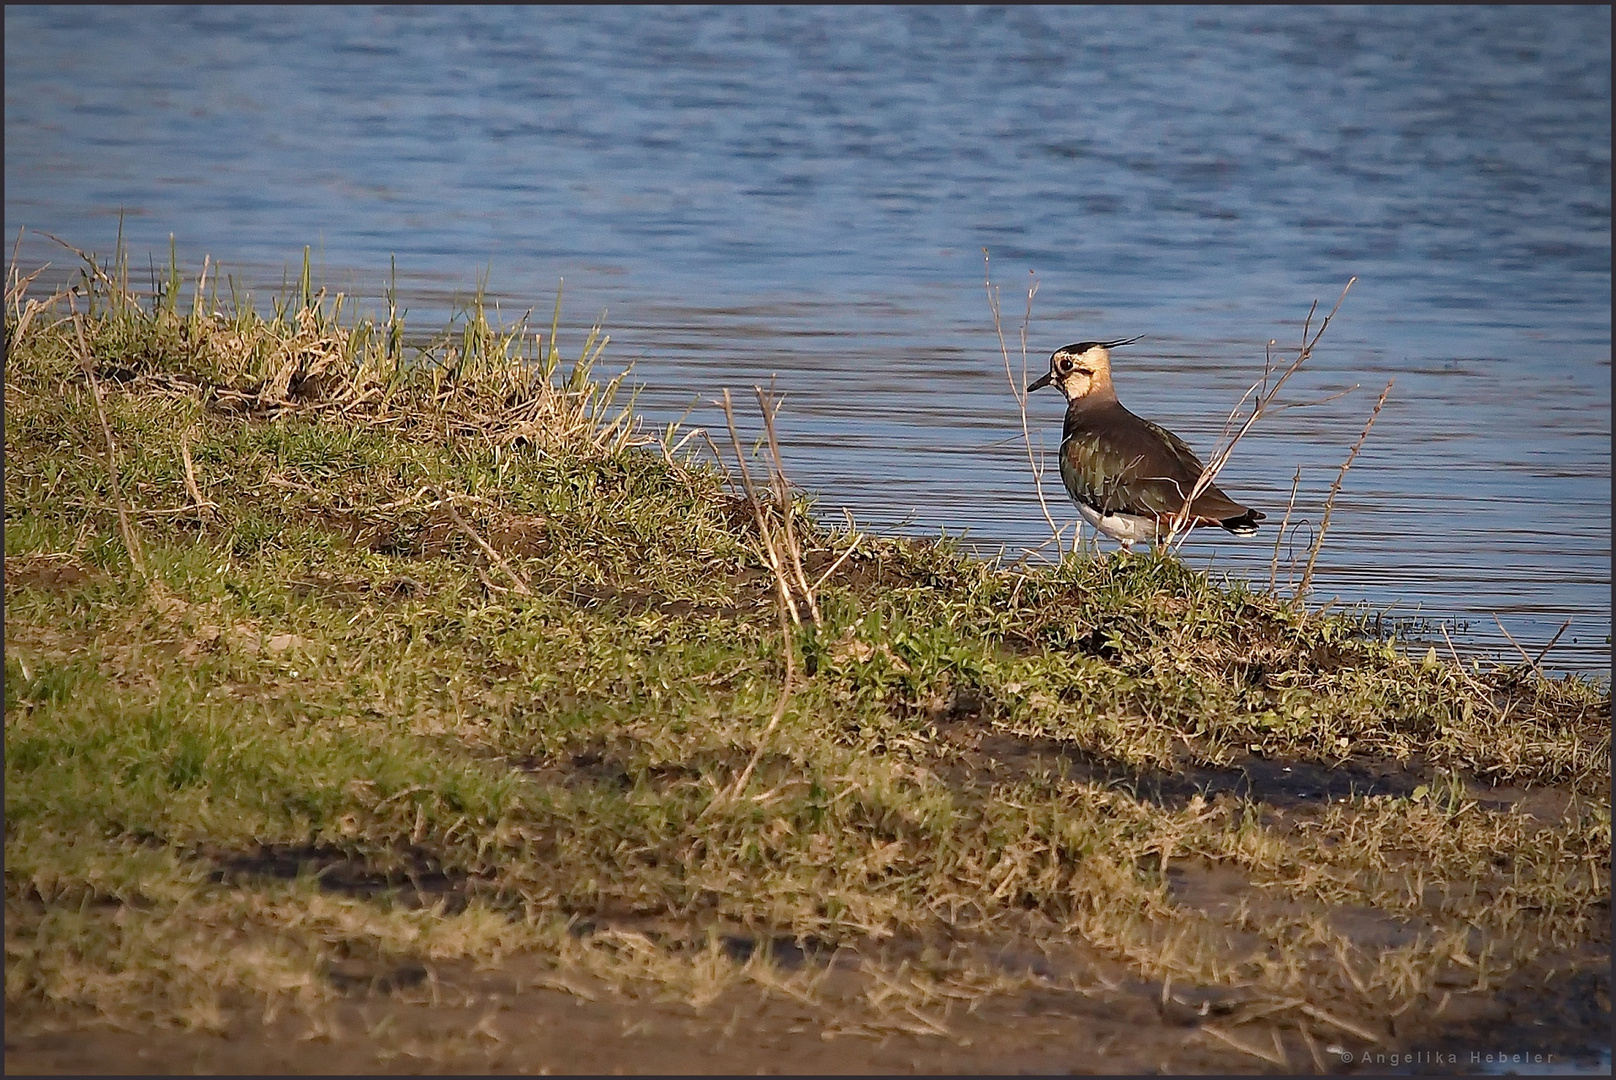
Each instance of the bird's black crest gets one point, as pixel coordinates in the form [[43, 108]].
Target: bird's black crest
[[1084, 346]]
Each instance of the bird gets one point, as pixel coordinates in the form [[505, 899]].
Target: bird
[[1128, 476]]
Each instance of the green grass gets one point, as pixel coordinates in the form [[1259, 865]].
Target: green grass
[[324, 662]]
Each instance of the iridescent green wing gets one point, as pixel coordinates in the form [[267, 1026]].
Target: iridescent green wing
[[1212, 502], [1144, 470], [1181, 461]]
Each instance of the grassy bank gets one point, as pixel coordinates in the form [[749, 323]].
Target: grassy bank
[[328, 662]]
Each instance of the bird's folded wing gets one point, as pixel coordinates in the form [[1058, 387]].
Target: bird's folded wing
[[1148, 472]]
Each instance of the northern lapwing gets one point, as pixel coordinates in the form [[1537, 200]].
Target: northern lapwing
[[1128, 476]]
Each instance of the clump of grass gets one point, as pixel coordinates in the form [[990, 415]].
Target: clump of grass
[[495, 672]]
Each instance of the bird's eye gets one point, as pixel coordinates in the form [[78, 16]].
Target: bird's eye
[[1063, 365]]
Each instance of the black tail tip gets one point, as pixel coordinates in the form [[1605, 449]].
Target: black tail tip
[[1245, 524]]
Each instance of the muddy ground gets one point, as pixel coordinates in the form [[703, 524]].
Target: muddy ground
[[510, 1021], [523, 1017]]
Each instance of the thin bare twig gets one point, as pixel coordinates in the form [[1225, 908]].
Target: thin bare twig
[[839, 561], [1313, 1049], [779, 546], [1335, 1021], [782, 493], [13, 294], [1018, 391], [669, 450], [1279, 1046], [1524, 654], [1037, 549], [34, 307], [27, 316], [1315, 403], [1481, 692], [1451, 650], [1545, 650], [1262, 394], [493, 556], [112, 286], [1279, 536], [734, 790], [765, 534], [718, 457], [1335, 489], [1244, 1048], [203, 506], [17, 287]]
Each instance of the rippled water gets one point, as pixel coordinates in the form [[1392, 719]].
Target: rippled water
[[803, 195]]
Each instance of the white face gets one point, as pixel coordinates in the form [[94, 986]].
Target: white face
[[1075, 374]]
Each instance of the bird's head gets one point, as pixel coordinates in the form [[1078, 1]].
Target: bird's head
[[1081, 369]]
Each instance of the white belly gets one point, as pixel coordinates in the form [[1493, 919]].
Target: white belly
[[1128, 528]]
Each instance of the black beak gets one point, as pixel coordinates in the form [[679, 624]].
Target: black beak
[[1049, 377]]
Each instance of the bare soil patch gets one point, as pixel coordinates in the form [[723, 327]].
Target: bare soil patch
[[46, 572], [523, 1018]]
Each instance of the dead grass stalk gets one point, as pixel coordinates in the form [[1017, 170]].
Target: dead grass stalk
[[1279, 537], [780, 548], [1335, 489], [520, 582], [1262, 394], [1018, 390]]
